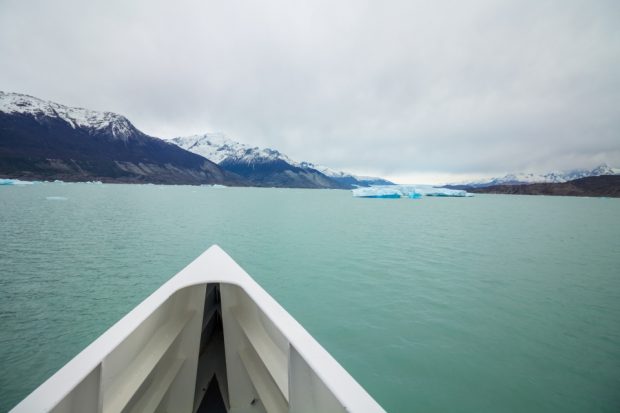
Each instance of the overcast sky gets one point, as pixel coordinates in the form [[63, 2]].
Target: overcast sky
[[414, 91]]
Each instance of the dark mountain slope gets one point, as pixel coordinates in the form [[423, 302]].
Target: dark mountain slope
[[45, 140], [261, 166]]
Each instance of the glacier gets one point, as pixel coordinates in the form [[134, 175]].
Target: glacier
[[407, 191]]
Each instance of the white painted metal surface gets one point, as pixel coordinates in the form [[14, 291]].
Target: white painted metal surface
[[152, 360]]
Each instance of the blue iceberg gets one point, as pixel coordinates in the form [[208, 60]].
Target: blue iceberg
[[14, 182], [377, 192], [429, 190], [407, 191]]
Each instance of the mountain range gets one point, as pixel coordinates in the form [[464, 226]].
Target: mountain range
[[269, 167], [43, 140], [532, 178], [46, 141], [593, 186]]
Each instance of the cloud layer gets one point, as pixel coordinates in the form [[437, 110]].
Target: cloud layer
[[398, 88]]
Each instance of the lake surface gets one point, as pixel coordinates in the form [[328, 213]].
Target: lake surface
[[485, 304]]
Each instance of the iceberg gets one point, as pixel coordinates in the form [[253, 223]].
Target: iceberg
[[14, 182], [377, 192], [407, 191], [429, 190]]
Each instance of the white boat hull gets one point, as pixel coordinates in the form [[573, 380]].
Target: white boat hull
[[210, 338]]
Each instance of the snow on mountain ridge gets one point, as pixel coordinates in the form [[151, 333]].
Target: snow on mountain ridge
[[217, 147], [549, 177], [118, 125], [338, 174], [324, 170]]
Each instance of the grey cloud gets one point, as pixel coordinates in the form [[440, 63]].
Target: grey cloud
[[394, 87]]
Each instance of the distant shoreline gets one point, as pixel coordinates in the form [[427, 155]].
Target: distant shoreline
[[107, 180], [593, 186]]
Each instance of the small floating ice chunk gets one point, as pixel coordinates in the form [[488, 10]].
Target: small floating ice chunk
[[214, 186], [56, 198]]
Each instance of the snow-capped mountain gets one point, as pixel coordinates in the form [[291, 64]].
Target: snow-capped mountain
[[532, 178], [261, 166], [268, 166], [115, 125], [46, 140], [218, 148], [591, 186], [346, 178], [600, 170]]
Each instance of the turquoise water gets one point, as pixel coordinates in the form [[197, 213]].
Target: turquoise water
[[485, 304]]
